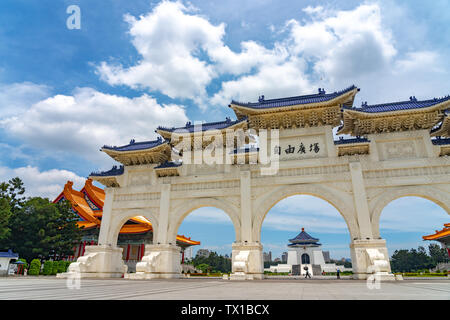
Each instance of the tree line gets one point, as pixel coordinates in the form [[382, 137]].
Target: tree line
[[213, 263], [414, 260], [34, 227]]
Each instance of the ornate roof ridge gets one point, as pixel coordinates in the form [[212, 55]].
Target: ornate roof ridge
[[114, 171], [150, 144], [415, 104], [322, 93], [190, 125]]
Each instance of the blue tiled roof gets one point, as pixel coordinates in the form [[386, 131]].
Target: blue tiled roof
[[245, 150], [9, 254], [304, 244], [303, 237], [133, 146], [115, 171], [168, 164], [353, 140], [205, 126], [412, 103], [291, 101], [441, 142]]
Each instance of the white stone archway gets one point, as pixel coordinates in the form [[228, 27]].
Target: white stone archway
[[393, 154]]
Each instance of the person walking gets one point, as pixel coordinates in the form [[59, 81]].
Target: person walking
[[338, 273], [307, 273]]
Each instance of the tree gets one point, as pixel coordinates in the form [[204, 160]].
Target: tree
[[5, 231], [41, 229], [437, 254]]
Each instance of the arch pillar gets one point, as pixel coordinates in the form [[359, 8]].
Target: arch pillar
[[247, 258], [161, 259], [105, 259]]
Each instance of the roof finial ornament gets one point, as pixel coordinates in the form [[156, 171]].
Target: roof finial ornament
[[412, 98], [159, 139], [303, 229], [132, 141], [321, 91], [364, 104], [261, 98], [227, 119], [188, 124]]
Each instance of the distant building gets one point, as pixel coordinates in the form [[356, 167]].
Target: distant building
[[5, 260], [284, 256], [203, 253], [326, 256], [267, 257], [277, 260], [304, 251]]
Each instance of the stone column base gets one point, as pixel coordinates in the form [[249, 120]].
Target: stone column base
[[247, 261], [370, 258], [160, 261], [98, 262]]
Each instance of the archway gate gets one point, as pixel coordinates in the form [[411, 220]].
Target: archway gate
[[391, 154]]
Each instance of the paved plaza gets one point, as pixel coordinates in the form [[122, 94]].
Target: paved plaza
[[38, 288]]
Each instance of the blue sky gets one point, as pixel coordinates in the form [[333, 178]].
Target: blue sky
[[134, 65]]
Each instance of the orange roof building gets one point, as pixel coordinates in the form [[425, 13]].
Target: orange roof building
[[134, 234], [443, 236]]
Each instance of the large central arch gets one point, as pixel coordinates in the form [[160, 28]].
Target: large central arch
[[337, 199]]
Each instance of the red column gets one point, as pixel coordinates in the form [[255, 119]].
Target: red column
[[448, 251], [182, 257], [142, 251], [84, 247], [128, 252]]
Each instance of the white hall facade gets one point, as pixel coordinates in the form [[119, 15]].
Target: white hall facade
[[392, 150]]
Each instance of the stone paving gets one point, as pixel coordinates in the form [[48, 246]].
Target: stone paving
[[51, 288]]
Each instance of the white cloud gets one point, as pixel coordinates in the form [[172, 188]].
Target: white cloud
[[17, 97], [412, 214], [81, 123], [182, 53], [48, 184], [170, 41], [312, 213]]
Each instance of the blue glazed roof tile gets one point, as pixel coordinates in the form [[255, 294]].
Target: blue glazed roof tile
[[134, 146], [349, 141], [9, 254], [303, 237], [189, 127], [412, 103], [168, 164], [291, 101], [115, 171], [441, 142]]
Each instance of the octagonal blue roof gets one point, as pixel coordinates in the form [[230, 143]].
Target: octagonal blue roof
[[303, 237]]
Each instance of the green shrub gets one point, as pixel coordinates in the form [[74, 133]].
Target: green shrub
[[48, 266], [35, 267], [55, 268], [61, 266]]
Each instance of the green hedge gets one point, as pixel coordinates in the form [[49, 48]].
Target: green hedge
[[55, 268], [35, 267], [61, 266], [48, 267]]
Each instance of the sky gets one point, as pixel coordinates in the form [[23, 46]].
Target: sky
[[134, 65]]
